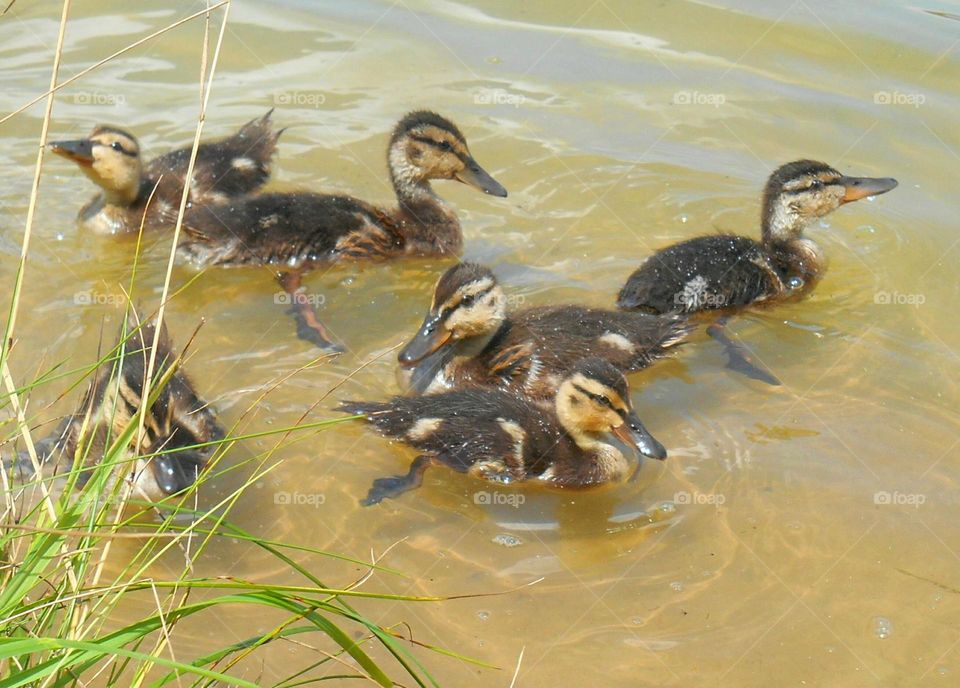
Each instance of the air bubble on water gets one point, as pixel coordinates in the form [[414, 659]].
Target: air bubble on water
[[347, 281], [676, 586], [668, 507], [943, 671], [483, 615], [637, 621], [795, 282], [824, 224], [507, 540], [684, 218], [59, 236], [882, 627]]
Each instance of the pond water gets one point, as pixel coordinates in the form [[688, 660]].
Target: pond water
[[807, 533]]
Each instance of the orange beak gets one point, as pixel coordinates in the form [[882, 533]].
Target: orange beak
[[861, 187], [80, 151]]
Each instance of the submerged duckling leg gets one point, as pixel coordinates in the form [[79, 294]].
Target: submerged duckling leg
[[738, 358], [309, 327], [396, 485]]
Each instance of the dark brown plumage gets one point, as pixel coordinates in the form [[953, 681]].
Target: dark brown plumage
[[110, 157], [300, 230], [177, 420], [469, 337], [504, 437], [728, 272]]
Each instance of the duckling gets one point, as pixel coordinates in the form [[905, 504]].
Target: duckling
[[110, 157], [503, 437], [728, 272], [467, 337], [295, 232], [178, 420]]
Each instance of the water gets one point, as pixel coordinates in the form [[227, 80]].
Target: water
[[803, 533]]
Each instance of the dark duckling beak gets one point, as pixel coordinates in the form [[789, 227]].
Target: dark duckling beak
[[80, 151], [477, 177], [632, 432], [861, 187], [428, 339]]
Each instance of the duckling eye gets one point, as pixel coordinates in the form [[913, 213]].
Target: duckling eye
[[468, 300], [445, 146], [116, 146], [816, 184]]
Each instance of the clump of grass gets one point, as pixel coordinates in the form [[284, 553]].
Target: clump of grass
[[65, 591]]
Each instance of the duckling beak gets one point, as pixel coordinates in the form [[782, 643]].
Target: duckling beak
[[80, 151], [477, 177], [633, 432], [861, 187], [428, 339]]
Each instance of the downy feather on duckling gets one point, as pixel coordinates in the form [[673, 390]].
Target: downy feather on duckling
[[110, 157], [297, 231], [728, 272], [176, 421], [725, 273], [502, 436], [469, 337]]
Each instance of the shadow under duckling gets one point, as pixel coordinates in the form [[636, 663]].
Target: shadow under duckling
[[298, 231], [110, 158], [175, 423], [727, 272], [503, 437], [469, 338]]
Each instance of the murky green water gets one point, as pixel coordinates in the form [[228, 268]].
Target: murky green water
[[806, 534]]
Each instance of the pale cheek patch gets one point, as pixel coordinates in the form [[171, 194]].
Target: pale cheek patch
[[518, 435], [618, 341], [423, 428]]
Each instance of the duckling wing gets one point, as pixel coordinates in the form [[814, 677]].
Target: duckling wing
[[706, 273], [226, 168], [296, 230], [469, 429]]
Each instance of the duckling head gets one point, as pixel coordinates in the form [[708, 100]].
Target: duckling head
[[802, 191], [426, 146], [467, 302], [110, 157], [595, 400]]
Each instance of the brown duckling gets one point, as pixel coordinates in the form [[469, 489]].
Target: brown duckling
[[110, 157], [175, 423], [298, 231], [504, 437], [468, 337], [728, 272]]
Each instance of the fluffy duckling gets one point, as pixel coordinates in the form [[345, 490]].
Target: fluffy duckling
[[295, 232], [727, 272], [503, 437], [468, 337], [110, 157], [177, 420]]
